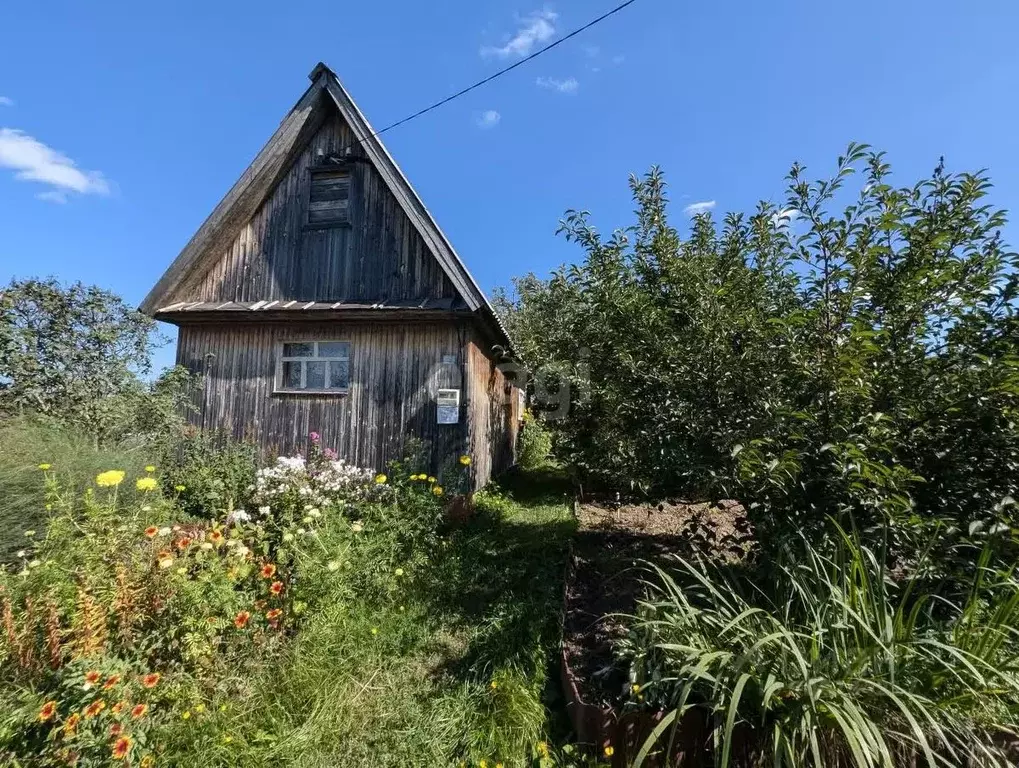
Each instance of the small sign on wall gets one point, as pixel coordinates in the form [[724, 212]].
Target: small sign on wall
[[448, 406]]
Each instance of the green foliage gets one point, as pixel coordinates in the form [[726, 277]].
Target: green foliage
[[534, 444], [830, 661], [852, 352], [79, 354], [210, 474]]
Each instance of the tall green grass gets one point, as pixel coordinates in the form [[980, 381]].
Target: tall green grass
[[25, 443], [830, 661]]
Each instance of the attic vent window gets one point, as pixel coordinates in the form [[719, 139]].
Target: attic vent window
[[329, 200], [321, 367]]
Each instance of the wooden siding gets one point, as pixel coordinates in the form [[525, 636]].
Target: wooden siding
[[276, 256], [395, 369], [493, 414]]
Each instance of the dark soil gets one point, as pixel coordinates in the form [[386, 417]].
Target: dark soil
[[611, 551]]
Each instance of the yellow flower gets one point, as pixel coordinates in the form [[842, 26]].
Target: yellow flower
[[465, 460], [185, 715], [145, 484], [380, 479], [375, 630], [44, 467], [543, 749], [398, 571], [482, 763], [147, 762], [635, 688], [227, 738], [499, 765], [609, 751], [178, 488], [437, 490], [110, 479], [150, 468], [430, 479], [494, 684], [199, 708]]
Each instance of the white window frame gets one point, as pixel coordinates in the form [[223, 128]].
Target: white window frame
[[280, 359]]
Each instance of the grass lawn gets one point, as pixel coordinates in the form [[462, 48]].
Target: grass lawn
[[461, 671]]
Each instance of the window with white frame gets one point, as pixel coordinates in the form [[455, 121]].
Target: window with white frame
[[313, 366]]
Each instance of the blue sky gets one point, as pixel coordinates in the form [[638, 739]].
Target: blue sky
[[123, 124]]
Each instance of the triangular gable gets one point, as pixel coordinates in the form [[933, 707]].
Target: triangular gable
[[258, 180]]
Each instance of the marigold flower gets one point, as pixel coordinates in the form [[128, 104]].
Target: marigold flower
[[110, 479], [92, 676], [437, 490], [95, 708], [71, 723], [118, 707], [274, 614], [116, 729], [151, 680], [380, 479], [465, 460], [241, 619], [49, 709], [139, 711], [183, 542], [152, 531], [276, 587], [121, 747], [146, 484], [216, 537], [111, 681], [44, 467], [268, 571]]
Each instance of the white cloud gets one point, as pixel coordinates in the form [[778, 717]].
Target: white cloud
[[786, 218], [535, 28], [34, 161], [703, 207], [618, 59], [569, 85], [6, 102], [489, 119]]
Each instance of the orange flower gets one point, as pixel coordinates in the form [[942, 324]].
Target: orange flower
[[48, 710], [92, 677], [71, 723], [215, 537], [116, 729], [111, 681], [147, 762], [276, 587], [241, 619], [121, 747], [268, 571], [274, 614], [151, 680], [151, 531], [95, 708], [183, 543], [118, 707], [139, 710]]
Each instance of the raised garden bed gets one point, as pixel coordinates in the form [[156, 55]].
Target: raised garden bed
[[606, 580]]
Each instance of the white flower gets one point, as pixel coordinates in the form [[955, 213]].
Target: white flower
[[307, 519], [164, 531], [242, 551], [264, 509], [357, 526], [333, 565], [34, 564], [165, 562], [22, 553], [206, 546], [237, 516], [301, 531], [288, 536], [147, 508], [315, 514]]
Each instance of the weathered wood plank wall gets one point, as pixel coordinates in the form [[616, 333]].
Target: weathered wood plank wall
[[395, 369], [492, 413], [380, 255]]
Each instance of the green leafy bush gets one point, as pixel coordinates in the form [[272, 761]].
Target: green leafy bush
[[209, 474], [831, 661], [852, 351], [534, 443]]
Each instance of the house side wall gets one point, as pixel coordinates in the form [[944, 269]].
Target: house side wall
[[395, 370], [380, 255], [493, 414]]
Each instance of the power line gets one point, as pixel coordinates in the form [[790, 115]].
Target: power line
[[502, 72]]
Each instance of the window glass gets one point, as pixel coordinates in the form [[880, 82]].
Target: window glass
[[333, 349], [292, 375], [339, 374], [315, 375], [302, 349]]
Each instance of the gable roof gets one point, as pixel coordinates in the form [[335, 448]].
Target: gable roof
[[258, 180]]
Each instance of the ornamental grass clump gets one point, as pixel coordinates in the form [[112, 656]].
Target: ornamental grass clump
[[831, 661]]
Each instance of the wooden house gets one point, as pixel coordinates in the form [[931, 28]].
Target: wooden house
[[321, 296]]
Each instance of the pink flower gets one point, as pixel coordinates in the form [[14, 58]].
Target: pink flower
[[314, 437]]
